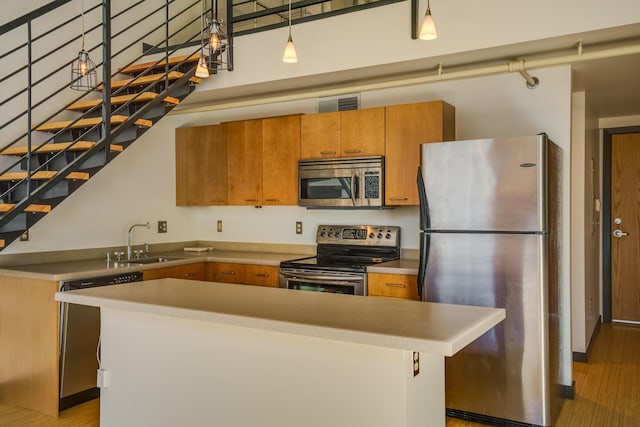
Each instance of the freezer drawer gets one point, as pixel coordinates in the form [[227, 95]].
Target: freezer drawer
[[506, 373]]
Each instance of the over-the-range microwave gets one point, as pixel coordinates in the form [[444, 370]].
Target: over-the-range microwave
[[351, 182]]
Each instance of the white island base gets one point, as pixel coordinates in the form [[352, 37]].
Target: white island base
[[239, 356]]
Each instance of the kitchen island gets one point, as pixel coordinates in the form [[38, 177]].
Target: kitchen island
[[180, 352]]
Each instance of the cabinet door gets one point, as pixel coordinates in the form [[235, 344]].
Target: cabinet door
[[408, 126], [320, 135], [244, 162], [362, 132], [190, 271], [262, 275], [226, 272], [201, 166], [158, 273], [280, 155], [393, 285]]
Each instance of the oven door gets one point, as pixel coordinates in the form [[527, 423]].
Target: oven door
[[336, 282]]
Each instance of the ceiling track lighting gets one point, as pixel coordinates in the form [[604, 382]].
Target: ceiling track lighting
[[428, 29], [290, 56], [83, 70]]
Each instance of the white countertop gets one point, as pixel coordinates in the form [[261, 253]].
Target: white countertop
[[408, 325]]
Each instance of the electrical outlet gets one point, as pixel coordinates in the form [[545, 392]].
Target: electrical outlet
[[298, 227], [162, 226], [24, 237], [416, 363], [219, 226]]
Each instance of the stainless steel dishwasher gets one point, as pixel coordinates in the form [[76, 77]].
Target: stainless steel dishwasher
[[79, 336]]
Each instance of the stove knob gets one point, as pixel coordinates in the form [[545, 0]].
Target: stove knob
[[330, 234], [322, 234], [388, 236], [371, 235], [379, 235]]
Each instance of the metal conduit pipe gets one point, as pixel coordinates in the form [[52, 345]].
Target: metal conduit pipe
[[441, 75]]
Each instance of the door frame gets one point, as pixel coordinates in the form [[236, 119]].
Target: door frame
[[607, 135]]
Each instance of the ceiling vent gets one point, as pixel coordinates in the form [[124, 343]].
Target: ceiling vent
[[339, 103]]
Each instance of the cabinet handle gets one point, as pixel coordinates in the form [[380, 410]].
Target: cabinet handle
[[262, 274], [396, 285], [353, 151], [189, 274], [250, 200], [398, 198], [327, 152], [271, 200], [228, 272], [217, 200]]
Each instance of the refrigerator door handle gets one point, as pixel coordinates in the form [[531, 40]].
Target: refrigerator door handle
[[425, 245], [425, 220]]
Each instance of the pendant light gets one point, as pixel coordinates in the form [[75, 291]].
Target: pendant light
[[216, 43], [290, 56], [202, 71], [428, 30], [83, 70]]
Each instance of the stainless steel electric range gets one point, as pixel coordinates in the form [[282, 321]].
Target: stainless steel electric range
[[342, 256]]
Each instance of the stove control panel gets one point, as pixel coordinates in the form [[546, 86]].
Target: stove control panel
[[365, 235]]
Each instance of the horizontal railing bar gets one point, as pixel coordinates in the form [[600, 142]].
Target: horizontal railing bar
[[15, 49], [18, 22]]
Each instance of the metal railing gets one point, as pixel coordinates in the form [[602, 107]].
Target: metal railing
[[170, 26]]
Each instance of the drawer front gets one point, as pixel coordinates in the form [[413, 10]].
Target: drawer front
[[393, 285], [227, 272], [190, 271], [263, 275]]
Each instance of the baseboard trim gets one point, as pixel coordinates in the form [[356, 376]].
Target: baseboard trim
[[584, 357]]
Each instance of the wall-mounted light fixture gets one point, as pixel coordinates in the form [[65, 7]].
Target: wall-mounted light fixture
[[290, 55], [83, 70]]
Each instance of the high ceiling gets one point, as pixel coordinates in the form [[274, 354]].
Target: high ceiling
[[611, 84]]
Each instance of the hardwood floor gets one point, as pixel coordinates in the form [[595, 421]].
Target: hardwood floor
[[607, 390]]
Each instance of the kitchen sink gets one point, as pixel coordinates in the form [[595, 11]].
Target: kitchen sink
[[144, 261]]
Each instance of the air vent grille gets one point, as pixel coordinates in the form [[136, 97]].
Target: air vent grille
[[339, 103]]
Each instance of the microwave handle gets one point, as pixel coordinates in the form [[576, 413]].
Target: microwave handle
[[353, 187]]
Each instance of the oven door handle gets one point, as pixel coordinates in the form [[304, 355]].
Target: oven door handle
[[353, 188], [335, 280]]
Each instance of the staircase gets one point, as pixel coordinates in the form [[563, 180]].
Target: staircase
[[43, 175]]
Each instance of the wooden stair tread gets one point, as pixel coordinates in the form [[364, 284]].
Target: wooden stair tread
[[41, 175], [150, 78], [122, 99], [87, 123], [56, 147], [138, 68], [6, 207]]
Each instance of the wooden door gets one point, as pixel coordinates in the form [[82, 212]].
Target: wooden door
[[362, 132], [625, 225], [320, 136], [408, 126], [280, 155], [244, 162]]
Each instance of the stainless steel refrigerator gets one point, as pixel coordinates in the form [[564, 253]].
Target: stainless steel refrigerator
[[489, 220]]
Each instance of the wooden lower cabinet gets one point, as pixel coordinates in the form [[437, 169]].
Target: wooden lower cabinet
[[188, 271], [393, 285], [246, 274]]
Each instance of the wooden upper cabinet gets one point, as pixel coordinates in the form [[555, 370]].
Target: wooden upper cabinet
[[280, 155], [408, 126], [244, 162], [320, 135], [362, 132], [201, 165]]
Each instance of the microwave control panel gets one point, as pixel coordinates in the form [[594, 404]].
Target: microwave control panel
[[372, 185]]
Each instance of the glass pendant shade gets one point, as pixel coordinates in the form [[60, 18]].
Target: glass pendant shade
[[83, 72], [428, 30], [290, 55], [202, 71]]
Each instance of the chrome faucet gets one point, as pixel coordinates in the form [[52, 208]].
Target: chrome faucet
[[148, 225]]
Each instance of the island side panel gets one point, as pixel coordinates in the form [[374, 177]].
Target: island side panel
[[166, 371], [29, 344]]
